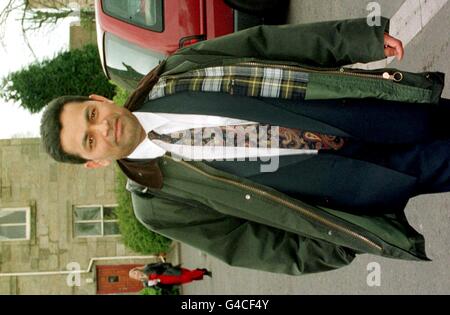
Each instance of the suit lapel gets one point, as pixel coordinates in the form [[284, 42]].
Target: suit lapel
[[245, 108]]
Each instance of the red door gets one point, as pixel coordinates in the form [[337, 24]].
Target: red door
[[114, 280]]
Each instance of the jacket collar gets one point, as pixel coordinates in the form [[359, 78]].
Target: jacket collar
[[144, 172]]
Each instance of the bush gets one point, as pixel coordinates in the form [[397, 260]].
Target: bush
[[134, 234], [76, 72], [174, 290], [120, 96], [150, 291]]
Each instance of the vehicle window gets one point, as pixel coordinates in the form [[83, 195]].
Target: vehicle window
[[144, 13], [126, 63]]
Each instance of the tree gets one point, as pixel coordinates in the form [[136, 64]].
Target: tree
[[76, 72], [34, 14]]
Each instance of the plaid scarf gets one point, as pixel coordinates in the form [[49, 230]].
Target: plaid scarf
[[242, 80]]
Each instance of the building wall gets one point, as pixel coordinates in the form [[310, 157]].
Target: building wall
[[30, 178], [81, 35]]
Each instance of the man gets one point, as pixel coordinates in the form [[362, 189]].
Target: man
[[354, 146]]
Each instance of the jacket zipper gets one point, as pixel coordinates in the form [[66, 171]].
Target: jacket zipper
[[396, 76], [289, 204]]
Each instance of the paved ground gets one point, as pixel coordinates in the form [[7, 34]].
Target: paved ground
[[428, 50]]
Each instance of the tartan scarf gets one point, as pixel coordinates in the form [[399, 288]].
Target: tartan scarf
[[241, 80]]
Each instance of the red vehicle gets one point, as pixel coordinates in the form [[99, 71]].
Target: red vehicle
[[134, 35]]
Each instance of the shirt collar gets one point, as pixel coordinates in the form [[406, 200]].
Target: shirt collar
[[147, 149], [150, 121]]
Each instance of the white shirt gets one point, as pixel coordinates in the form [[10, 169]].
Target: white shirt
[[164, 123]]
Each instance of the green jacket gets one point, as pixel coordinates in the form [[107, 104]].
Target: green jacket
[[322, 49], [249, 225]]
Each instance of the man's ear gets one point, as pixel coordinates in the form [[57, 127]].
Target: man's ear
[[99, 98], [97, 164]]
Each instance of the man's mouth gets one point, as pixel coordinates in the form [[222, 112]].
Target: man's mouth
[[117, 130]]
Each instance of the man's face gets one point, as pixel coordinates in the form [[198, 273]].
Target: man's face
[[100, 131]]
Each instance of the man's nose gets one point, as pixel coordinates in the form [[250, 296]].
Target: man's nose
[[103, 128]]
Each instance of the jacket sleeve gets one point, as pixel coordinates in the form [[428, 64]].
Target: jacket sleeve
[[238, 242], [326, 44]]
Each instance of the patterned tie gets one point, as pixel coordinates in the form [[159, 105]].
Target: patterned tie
[[252, 135]]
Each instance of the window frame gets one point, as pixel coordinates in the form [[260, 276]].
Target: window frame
[[27, 224], [102, 221], [158, 27]]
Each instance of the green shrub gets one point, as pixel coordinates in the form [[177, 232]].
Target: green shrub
[[121, 95], [174, 290], [150, 291], [134, 234], [75, 72]]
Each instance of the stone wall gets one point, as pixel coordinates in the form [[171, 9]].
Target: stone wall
[[29, 178]]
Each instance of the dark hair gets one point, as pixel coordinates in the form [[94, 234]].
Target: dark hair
[[51, 129]]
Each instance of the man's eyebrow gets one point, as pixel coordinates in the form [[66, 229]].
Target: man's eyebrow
[[85, 137]]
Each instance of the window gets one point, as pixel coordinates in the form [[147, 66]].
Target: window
[[143, 13], [14, 224], [95, 220], [126, 63]]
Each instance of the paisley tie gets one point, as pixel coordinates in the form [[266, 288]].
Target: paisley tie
[[252, 135]]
